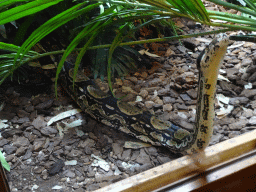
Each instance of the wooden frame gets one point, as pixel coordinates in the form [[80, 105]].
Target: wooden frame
[[188, 166]]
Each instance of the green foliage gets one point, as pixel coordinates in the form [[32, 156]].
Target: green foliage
[[106, 22], [23, 9], [3, 161]]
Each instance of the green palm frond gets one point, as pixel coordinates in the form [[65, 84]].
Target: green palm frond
[[23, 9], [94, 19]]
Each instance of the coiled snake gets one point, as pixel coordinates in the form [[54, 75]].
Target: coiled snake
[[115, 113]]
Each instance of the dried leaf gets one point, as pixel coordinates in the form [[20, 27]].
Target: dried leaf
[[63, 115]]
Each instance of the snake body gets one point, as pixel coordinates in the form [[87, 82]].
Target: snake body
[[129, 119]]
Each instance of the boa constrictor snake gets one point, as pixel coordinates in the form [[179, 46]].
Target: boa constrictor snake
[[129, 119]]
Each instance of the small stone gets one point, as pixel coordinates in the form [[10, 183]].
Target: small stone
[[24, 101], [39, 122], [126, 154], [3, 142], [56, 167], [6, 115], [27, 154], [238, 100], [20, 151], [135, 154], [36, 132], [22, 113], [21, 141], [151, 151], [143, 93], [149, 104], [168, 100], [25, 125], [9, 133], [48, 131], [144, 75], [44, 105], [35, 101], [247, 113], [181, 106], [59, 152], [29, 108], [216, 139], [23, 120], [248, 93], [192, 93], [251, 69], [167, 107], [69, 173], [163, 159], [154, 82], [162, 92], [9, 158], [92, 187], [247, 76], [246, 62], [133, 79], [75, 153], [173, 93], [39, 170], [233, 134], [143, 157], [158, 104], [252, 120], [252, 78], [238, 125], [38, 145], [79, 190], [9, 149], [117, 149], [185, 97], [143, 167], [88, 142]]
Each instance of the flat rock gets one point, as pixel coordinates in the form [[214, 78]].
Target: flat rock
[[185, 97], [21, 151], [21, 141], [38, 145], [9, 149], [3, 142], [48, 131], [23, 120], [39, 122], [238, 100], [216, 138], [248, 93], [143, 157], [252, 120], [56, 167], [238, 125]]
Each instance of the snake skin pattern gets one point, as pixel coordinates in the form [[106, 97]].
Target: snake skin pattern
[[129, 119]]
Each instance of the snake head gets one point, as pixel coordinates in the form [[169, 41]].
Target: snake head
[[220, 41]]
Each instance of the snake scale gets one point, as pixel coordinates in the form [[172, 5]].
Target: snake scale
[[129, 119]]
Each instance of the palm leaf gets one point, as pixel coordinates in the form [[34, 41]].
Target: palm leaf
[[23, 10]]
